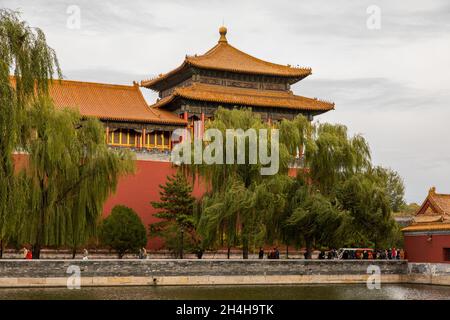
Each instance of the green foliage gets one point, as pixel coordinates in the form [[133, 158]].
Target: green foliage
[[176, 213], [219, 175], [225, 214], [409, 209], [58, 199], [394, 186], [24, 52], [71, 174], [334, 156], [318, 220], [368, 204], [337, 200], [242, 201], [123, 231]]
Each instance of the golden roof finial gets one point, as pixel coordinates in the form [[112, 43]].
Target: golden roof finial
[[432, 190], [223, 33]]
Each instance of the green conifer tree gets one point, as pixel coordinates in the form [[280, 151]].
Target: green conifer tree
[[176, 213]]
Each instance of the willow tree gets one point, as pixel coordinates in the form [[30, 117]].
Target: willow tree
[[315, 219], [226, 217], [240, 221], [368, 203], [25, 54], [336, 156], [71, 173]]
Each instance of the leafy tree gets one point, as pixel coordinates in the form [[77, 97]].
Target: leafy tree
[[409, 209], [314, 214], [271, 201], [123, 231], [71, 173], [337, 198], [394, 186], [228, 217], [334, 156], [25, 54], [176, 211], [242, 221], [315, 219], [368, 205]]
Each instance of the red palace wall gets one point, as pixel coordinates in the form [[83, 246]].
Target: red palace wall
[[418, 249], [138, 190]]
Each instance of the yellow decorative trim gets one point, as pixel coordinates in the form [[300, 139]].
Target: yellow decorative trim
[[426, 227]]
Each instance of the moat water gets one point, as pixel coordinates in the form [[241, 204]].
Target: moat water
[[257, 292]]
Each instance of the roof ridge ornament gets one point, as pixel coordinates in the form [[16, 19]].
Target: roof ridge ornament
[[432, 191], [223, 33]]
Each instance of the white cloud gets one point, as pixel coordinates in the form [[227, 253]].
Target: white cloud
[[391, 84]]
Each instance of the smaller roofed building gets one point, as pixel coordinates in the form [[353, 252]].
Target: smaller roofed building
[[128, 120], [427, 239]]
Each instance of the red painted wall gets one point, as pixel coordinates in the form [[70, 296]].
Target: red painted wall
[[418, 249], [138, 190]]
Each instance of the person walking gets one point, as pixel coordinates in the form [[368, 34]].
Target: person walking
[[277, 253], [85, 254], [142, 253], [365, 255], [261, 253]]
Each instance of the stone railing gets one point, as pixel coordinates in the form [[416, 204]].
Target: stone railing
[[429, 273], [196, 272]]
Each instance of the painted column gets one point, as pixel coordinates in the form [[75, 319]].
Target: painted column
[[202, 127], [185, 117], [107, 134], [143, 138]]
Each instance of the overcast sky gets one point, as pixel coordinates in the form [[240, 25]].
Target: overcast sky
[[391, 84]]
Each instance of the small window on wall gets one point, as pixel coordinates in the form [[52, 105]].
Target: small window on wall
[[447, 254]]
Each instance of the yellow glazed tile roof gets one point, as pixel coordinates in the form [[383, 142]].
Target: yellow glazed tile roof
[[427, 227], [225, 57], [434, 213], [247, 97], [108, 102]]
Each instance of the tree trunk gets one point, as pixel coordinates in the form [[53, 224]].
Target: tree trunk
[[308, 248], [181, 243], [287, 251], [228, 252], [245, 248], [74, 252], [1, 248], [36, 250]]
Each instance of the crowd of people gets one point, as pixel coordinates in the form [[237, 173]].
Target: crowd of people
[[345, 254], [273, 254], [365, 254]]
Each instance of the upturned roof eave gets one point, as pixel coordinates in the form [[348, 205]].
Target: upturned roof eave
[[153, 84], [177, 95]]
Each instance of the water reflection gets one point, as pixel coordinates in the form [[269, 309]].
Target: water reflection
[[307, 292]]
